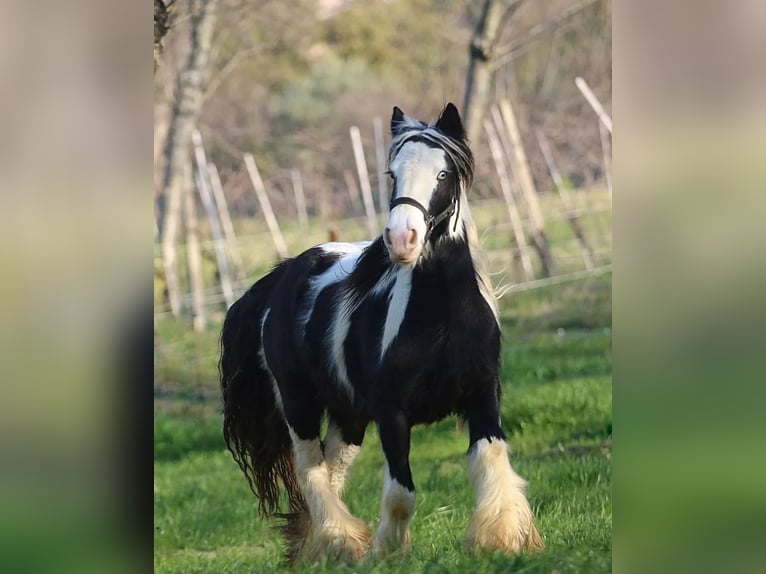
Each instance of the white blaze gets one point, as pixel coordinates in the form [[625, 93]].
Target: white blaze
[[415, 168]]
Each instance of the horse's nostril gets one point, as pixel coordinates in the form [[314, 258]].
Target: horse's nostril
[[387, 236], [412, 239]]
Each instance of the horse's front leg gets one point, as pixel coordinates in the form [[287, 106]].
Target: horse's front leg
[[398, 499], [502, 518]]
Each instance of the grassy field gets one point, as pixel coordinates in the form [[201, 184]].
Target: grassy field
[[556, 411]]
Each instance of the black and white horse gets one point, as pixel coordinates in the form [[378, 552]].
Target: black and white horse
[[399, 331]]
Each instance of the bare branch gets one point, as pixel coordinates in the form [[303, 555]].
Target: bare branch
[[512, 49]]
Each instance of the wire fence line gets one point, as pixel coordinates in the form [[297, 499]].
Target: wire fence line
[[265, 237], [499, 252], [215, 298]]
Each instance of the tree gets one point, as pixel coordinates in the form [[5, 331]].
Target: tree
[[161, 25], [494, 16], [186, 110]]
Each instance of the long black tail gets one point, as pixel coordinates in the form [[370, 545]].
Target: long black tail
[[253, 426]]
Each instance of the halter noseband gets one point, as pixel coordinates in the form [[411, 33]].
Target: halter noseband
[[431, 220]]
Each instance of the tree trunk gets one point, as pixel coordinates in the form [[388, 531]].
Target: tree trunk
[[494, 16], [186, 111], [160, 28]]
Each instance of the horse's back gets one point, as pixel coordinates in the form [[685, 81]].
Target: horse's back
[[290, 298]]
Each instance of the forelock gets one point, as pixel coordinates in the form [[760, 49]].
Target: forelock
[[456, 150]]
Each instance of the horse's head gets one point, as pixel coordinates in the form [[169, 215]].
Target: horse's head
[[430, 165]]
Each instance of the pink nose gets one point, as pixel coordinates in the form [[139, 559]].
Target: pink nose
[[402, 242]]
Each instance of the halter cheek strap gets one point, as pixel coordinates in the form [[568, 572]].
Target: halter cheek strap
[[431, 220]]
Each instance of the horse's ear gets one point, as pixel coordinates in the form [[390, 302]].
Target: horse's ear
[[397, 119], [449, 122]]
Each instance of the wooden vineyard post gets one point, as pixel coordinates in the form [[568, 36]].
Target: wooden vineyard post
[[507, 148], [513, 212], [380, 162], [528, 188], [606, 147], [228, 227], [604, 126], [558, 182], [603, 117], [193, 253], [364, 180], [212, 215], [263, 200], [300, 199]]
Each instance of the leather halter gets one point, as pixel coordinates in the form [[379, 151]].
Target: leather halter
[[431, 220]]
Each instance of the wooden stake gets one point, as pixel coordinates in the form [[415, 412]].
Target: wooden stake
[[606, 147], [513, 213], [583, 86], [364, 180], [566, 200], [263, 200], [193, 254], [502, 134], [539, 238], [322, 207], [228, 227], [212, 216], [300, 199]]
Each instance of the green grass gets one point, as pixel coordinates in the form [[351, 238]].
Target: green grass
[[556, 411]]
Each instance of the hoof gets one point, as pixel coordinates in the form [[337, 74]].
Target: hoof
[[390, 544], [511, 531], [348, 543]]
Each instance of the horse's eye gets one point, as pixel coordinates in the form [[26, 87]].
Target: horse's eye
[[442, 175]]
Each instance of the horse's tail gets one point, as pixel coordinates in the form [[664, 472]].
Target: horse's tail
[[253, 426]]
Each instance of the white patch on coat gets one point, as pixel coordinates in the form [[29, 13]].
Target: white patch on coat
[[396, 506], [265, 365], [502, 518], [338, 271], [342, 248], [397, 307], [339, 327]]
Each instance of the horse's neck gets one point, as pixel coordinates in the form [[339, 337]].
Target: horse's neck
[[461, 257], [449, 257]]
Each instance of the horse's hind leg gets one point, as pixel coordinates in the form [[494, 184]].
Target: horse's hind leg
[[341, 446], [334, 530], [502, 519]]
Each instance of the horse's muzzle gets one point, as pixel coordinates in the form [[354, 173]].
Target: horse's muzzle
[[402, 244]]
